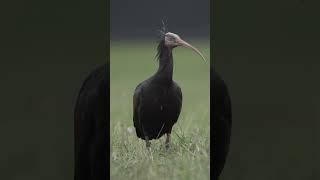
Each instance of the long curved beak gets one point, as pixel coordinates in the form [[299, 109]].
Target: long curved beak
[[187, 45]]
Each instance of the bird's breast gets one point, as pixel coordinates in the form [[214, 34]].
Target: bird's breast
[[162, 98]]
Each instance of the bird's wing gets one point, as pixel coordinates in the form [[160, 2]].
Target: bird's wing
[[222, 120], [180, 97], [136, 104], [179, 102], [228, 108]]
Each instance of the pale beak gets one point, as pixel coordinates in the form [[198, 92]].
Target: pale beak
[[187, 45]]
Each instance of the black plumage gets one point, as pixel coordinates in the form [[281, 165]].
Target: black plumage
[[157, 101], [90, 127], [222, 122]]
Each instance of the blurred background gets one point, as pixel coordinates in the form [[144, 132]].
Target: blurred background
[[134, 33], [268, 53], [142, 18], [47, 49]]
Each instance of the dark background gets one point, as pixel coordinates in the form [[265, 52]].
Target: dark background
[[142, 18], [47, 48], [268, 53]]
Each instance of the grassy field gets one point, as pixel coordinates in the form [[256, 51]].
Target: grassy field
[[189, 155]]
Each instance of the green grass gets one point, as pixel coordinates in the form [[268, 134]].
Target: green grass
[[189, 155]]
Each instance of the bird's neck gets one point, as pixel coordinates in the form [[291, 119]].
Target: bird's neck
[[165, 70]]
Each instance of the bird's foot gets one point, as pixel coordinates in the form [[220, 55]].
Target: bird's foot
[[167, 145], [148, 143]]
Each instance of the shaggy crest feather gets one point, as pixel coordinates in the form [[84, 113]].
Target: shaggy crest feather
[[162, 32]]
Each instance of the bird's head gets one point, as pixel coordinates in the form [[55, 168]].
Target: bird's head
[[172, 40]]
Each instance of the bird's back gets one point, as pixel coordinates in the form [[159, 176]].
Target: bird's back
[[222, 122], [156, 108], [90, 127]]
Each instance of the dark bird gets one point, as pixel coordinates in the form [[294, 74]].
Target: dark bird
[[157, 101], [222, 122], [90, 127]]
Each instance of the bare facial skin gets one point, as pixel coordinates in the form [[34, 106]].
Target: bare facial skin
[[173, 40]]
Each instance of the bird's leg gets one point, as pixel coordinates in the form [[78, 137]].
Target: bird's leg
[[147, 142], [167, 143]]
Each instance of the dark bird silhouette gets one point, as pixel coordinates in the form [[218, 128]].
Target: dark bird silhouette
[[90, 127], [222, 122], [157, 101]]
